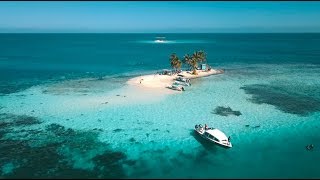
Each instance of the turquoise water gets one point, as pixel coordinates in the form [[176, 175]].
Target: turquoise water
[[55, 122]]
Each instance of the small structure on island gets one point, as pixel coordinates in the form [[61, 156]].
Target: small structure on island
[[203, 66]]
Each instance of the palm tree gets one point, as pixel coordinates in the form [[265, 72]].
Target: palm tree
[[192, 61], [186, 60], [196, 60], [202, 56], [178, 64], [175, 61]]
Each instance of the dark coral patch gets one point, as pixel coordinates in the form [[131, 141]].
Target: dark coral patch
[[17, 120], [109, 164], [225, 111], [292, 100], [38, 154]]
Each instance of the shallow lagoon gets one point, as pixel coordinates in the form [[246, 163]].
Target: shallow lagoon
[[78, 134]]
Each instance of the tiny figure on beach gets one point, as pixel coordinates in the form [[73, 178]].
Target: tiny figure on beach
[[140, 80]]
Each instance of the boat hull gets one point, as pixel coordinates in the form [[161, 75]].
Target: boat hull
[[176, 89], [212, 141]]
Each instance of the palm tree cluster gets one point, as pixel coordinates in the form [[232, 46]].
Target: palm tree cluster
[[192, 61]]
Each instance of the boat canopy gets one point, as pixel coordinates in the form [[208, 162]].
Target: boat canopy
[[217, 133]]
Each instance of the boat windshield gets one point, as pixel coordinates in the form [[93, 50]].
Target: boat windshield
[[211, 137]]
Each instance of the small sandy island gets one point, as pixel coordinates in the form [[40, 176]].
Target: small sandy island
[[151, 89], [159, 83]]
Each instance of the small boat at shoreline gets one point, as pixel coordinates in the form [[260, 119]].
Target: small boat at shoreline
[[182, 83], [176, 87], [181, 79], [213, 135]]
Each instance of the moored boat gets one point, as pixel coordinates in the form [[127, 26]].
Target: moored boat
[[213, 135], [176, 87], [182, 79], [182, 83], [160, 39]]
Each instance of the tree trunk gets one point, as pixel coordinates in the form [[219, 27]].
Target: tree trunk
[[194, 72]]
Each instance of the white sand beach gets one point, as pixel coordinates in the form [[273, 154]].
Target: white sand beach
[[160, 83]]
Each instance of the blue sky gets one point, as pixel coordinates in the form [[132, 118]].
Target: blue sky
[[157, 16]]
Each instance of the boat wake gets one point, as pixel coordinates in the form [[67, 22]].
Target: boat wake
[[159, 41]]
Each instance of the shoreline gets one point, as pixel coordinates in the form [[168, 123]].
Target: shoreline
[[159, 83]]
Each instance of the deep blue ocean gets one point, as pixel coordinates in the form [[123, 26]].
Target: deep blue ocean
[[43, 56]]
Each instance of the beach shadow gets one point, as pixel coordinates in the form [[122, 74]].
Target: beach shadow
[[207, 145]]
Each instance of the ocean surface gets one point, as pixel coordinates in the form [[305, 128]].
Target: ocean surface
[[65, 110]]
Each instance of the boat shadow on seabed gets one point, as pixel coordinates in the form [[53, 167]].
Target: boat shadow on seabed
[[206, 144]]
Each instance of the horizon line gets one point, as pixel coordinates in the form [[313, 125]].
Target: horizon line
[[159, 32]]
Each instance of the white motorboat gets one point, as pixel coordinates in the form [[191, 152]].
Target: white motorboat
[[160, 39], [182, 83], [213, 135], [183, 79], [176, 87]]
